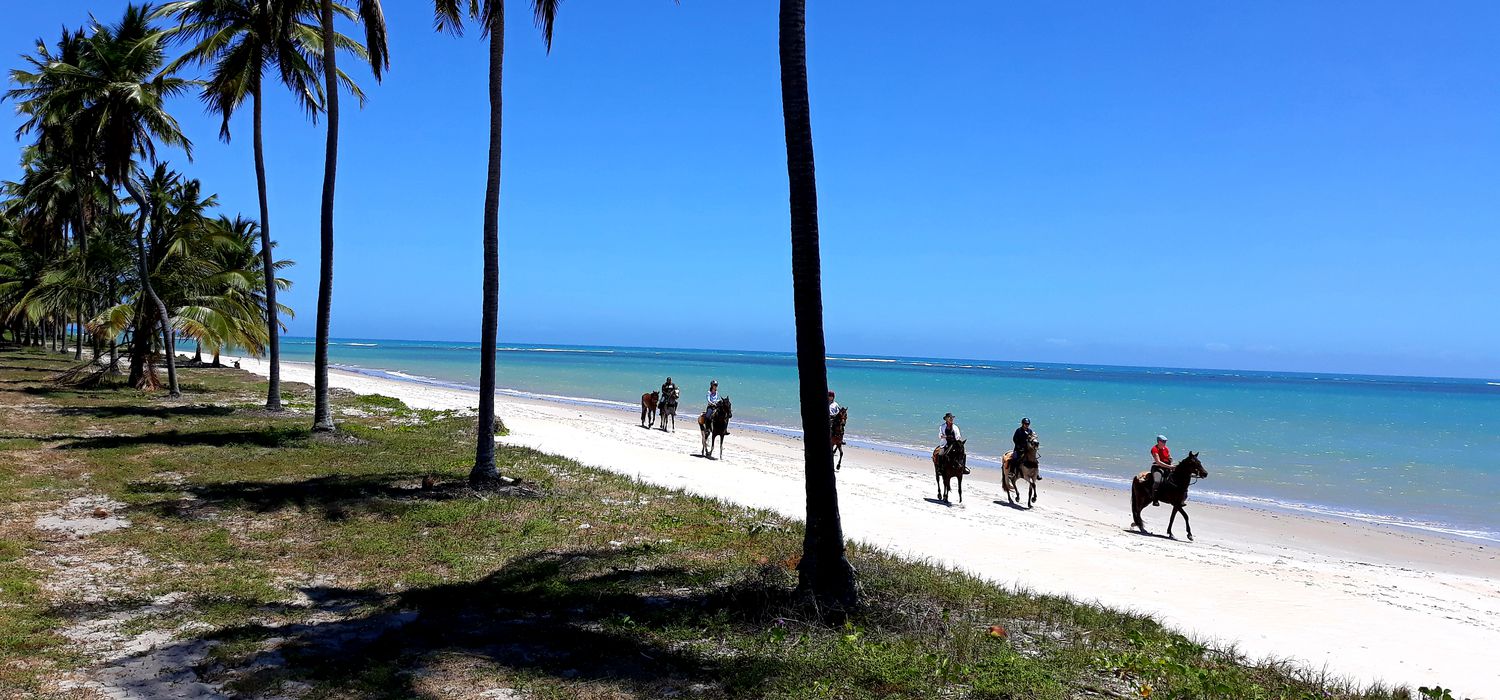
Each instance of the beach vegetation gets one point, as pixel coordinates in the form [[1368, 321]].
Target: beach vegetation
[[241, 42], [274, 562]]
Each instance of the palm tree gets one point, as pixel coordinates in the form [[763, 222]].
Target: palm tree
[[491, 18], [243, 40], [373, 18], [113, 98], [824, 571]]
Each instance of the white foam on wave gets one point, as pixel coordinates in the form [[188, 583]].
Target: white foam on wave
[[363, 345], [863, 359], [571, 350]]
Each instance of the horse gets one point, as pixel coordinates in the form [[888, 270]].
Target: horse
[[955, 463], [836, 435], [1013, 469], [648, 409], [719, 429], [1173, 490], [667, 408]]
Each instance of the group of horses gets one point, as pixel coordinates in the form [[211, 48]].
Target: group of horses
[[952, 463], [655, 405], [948, 464]]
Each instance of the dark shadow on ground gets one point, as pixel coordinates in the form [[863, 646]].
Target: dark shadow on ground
[[336, 497], [270, 436], [585, 616], [144, 411]]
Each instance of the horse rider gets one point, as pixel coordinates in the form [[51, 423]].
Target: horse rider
[[833, 406], [1161, 466], [668, 390], [713, 400], [1022, 440], [949, 433]]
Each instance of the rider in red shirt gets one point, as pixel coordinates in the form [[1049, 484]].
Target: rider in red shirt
[[1161, 464]]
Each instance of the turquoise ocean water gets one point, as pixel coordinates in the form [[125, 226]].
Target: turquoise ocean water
[[1411, 452]]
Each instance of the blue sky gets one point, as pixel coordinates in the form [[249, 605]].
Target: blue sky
[[1301, 186]]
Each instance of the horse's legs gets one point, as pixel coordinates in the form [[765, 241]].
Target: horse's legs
[[1136, 504], [1175, 510], [960, 488], [938, 472], [1186, 523], [1033, 493]]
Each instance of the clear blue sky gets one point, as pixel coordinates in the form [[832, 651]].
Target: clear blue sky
[[1303, 186]]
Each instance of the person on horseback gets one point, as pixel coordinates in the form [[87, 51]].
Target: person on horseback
[[949, 433], [668, 389], [833, 406], [1161, 466], [1022, 440], [713, 401]]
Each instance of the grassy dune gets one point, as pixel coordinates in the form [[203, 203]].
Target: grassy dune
[[261, 561]]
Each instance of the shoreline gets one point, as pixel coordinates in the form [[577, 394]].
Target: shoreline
[[1066, 472], [1323, 593]]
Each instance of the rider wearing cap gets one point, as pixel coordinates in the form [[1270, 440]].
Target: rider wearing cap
[[1161, 466], [833, 406], [1022, 439], [713, 399]]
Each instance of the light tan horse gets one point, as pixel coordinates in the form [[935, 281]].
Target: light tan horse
[[1013, 470]]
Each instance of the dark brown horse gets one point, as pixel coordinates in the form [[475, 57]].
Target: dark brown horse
[[667, 408], [836, 435], [953, 464], [719, 429], [648, 409], [1014, 468], [1173, 490]]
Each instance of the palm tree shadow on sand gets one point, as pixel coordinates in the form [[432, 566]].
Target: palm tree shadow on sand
[[585, 616]]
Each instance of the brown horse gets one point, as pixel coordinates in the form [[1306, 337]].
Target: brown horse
[[648, 409], [1173, 490], [719, 429], [667, 408], [836, 435], [955, 463], [1013, 469]]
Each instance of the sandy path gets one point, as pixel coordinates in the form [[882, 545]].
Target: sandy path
[[1362, 602]]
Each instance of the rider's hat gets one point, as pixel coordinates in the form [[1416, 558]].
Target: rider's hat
[[1026, 421], [946, 416], [714, 383], [1162, 438]]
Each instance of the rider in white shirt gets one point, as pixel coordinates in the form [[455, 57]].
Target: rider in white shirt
[[948, 432], [833, 406]]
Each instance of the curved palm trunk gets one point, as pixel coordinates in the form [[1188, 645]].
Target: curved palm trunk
[[268, 264], [824, 571], [155, 301], [484, 453], [322, 412]]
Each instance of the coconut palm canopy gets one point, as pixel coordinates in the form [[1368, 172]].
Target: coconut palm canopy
[[98, 235]]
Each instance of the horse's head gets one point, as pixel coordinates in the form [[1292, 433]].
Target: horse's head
[[1193, 466], [843, 415], [1033, 446], [957, 454], [654, 396], [725, 409]]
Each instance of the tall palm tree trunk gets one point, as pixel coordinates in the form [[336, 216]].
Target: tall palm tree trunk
[[268, 262], [322, 412], [143, 269], [824, 571], [484, 454]]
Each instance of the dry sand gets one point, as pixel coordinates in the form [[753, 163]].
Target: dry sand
[[1359, 601]]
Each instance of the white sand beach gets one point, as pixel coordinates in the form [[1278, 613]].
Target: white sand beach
[[1359, 601]]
